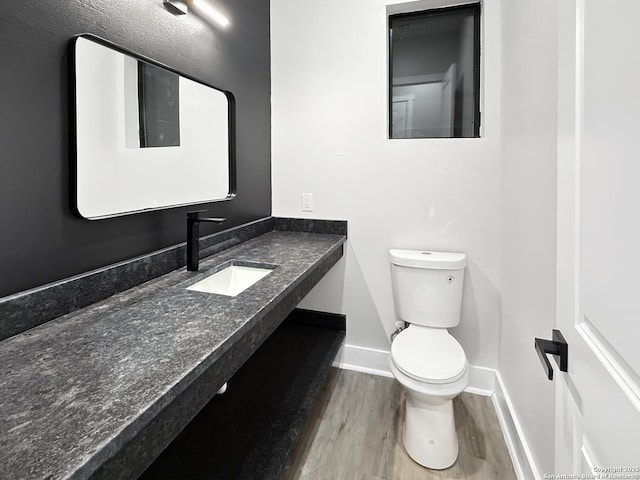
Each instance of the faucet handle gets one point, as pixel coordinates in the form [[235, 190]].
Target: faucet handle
[[194, 214]]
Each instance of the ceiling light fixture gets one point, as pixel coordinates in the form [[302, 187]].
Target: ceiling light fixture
[[210, 12], [178, 7]]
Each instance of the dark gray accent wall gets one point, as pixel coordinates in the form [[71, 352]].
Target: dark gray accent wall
[[40, 238]]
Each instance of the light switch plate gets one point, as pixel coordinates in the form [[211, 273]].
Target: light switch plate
[[307, 202]]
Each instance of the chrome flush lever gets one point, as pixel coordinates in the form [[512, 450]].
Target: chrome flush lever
[[557, 347]]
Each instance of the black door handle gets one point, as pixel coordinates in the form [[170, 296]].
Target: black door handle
[[557, 347]]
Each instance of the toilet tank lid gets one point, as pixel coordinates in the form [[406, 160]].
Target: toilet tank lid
[[428, 259]]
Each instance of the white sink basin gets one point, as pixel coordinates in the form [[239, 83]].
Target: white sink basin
[[231, 281]]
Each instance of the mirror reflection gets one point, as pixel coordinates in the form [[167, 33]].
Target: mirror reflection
[[146, 137], [158, 106]]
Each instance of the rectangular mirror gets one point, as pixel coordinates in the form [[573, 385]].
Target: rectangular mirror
[[146, 136]]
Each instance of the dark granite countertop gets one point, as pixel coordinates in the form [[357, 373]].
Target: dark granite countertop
[[75, 390]]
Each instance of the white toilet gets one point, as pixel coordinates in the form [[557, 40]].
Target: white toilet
[[427, 361]]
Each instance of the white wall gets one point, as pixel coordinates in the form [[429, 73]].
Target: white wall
[[329, 137], [528, 177]]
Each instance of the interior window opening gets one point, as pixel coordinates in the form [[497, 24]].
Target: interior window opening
[[434, 73]]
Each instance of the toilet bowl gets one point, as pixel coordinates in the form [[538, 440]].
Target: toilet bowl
[[425, 358], [432, 375]]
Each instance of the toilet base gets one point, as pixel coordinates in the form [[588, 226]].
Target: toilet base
[[429, 431]]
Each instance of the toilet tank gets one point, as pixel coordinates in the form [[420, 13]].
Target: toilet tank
[[427, 286]]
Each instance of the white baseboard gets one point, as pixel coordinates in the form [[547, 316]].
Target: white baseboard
[[362, 359], [374, 361], [519, 450], [482, 380]]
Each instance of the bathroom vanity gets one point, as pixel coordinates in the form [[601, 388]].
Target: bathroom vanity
[[101, 391]]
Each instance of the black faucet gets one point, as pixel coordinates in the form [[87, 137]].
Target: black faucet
[[193, 237]]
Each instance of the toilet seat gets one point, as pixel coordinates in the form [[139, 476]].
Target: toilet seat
[[428, 355], [441, 390]]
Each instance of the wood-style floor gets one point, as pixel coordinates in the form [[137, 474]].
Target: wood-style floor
[[354, 433]]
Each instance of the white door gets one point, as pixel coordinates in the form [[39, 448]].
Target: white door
[[448, 95], [598, 276], [402, 116]]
